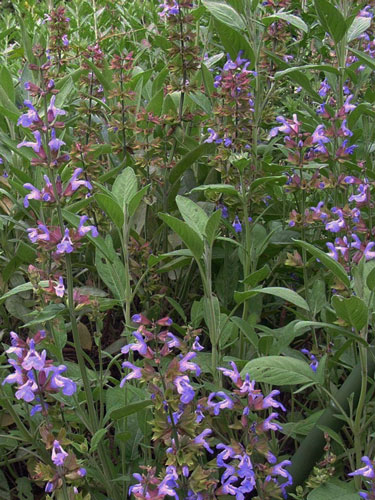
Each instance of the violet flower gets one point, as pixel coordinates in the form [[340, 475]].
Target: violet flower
[[184, 388], [226, 402], [58, 382], [367, 471], [83, 230], [55, 144], [233, 374], [185, 364], [200, 439], [29, 118], [213, 137], [52, 111], [37, 146], [60, 288], [139, 346], [66, 244], [196, 345], [135, 373], [237, 224], [58, 455]]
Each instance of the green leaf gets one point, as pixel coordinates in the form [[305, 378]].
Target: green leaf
[[130, 409], [283, 293], [156, 104], [6, 82], [225, 14], [97, 437], [330, 263], [217, 188], [25, 287], [104, 75], [192, 214], [212, 226], [66, 91], [111, 208], [358, 26], [24, 489], [279, 370], [233, 41], [125, 187], [331, 19], [318, 67], [254, 278], [352, 310], [46, 314], [364, 58], [370, 280], [290, 18], [275, 179], [111, 272], [191, 238], [177, 308], [4, 487], [136, 200], [188, 160], [303, 326], [302, 80], [333, 489]]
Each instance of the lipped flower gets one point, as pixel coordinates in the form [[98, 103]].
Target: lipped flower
[[184, 388], [74, 184], [31, 117], [135, 373], [185, 364], [213, 137], [225, 402], [66, 244], [201, 439], [55, 144], [58, 454], [52, 111], [83, 230], [37, 146]]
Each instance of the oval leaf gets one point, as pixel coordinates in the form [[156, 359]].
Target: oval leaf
[[279, 370]]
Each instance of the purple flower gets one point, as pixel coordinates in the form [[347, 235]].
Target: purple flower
[[345, 131], [60, 288], [361, 197], [58, 382], [169, 483], [184, 389], [226, 402], [278, 470], [314, 362], [200, 439], [347, 106], [237, 224], [318, 136], [27, 391], [37, 146], [213, 137], [34, 195], [367, 251], [196, 345], [227, 453], [58, 455], [16, 377], [268, 401], [268, 425], [65, 40], [139, 346], [365, 12], [55, 144], [367, 471], [335, 225], [34, 236], [52, 111], [27, 119], [324, 88], [173, 342], [82, 231], [73, 184], [224, 210], [33, 360], [332, 251], [185, 363], [135, 373], [66, 244], [169, 10], [233, 374], [199, 416]]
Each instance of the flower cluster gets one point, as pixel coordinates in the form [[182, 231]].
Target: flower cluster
[[34, 374], [185, 422]]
